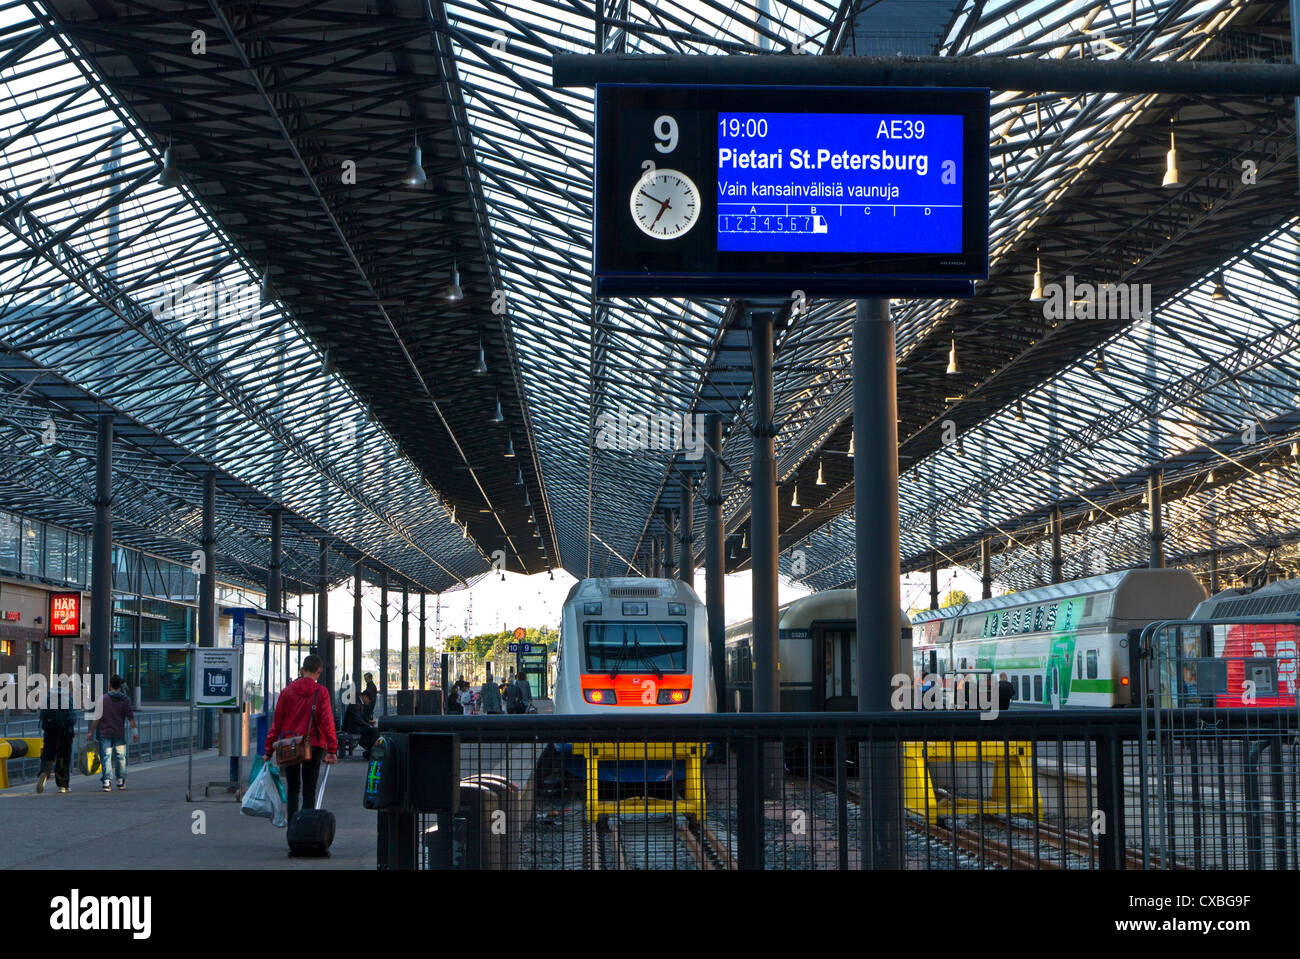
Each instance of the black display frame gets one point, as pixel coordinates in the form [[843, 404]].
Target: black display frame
[[627, 263]]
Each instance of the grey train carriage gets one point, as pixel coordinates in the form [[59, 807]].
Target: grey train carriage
[[1063, 645], [817, 657]]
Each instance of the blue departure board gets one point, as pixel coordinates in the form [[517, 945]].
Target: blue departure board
[[839, 182], [765, 191]]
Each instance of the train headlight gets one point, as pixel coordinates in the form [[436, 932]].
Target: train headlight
[[600, 697], [676, 609], [673, 697], [591, 609]]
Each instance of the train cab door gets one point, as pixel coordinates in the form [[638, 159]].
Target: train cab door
[[835, 649], [1056, 687]]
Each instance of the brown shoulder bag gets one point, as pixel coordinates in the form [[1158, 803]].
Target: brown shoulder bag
[[295, 750]]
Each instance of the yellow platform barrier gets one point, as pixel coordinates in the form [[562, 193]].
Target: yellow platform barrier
[[1013, 786], [7, 752], [596, 753]]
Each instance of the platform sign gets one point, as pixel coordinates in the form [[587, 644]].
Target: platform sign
[[524, 648], [217, 675], [736, 191]]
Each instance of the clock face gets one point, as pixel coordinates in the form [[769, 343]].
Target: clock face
[[665, 204]]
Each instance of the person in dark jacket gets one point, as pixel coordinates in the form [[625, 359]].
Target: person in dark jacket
[[59, 725], [355, 722], [1006, 691], [490, 698], [293, 716], [373, 693], [454, 706], [115, 713]]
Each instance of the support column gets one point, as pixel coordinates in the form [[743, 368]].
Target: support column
[[274, 578], [357, 685], [875, 508], [406, 636], [656, 565], [715, 560], [934, 576], [383, 643], [670, 542], [1155, 514], [986, 568], [763, 523], [686, 527], [101, 569], [1058, 564], [422, 621], [1214, 572], [323, 641], [208, 589]]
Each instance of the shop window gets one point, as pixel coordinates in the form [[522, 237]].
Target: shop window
[[54, 563], [6, 647], [9, 537], [33, 658], [31, 547]]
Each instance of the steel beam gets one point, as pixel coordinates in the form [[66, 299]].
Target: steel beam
[[406, 637], [1058, 564], [356, 633], [423, 614], [1155, 518], [995, 73], [383, 643], [274, 578], [323, 641], [763, 534], [101, 568], [876, 532], [715, 559], [686, 532], [986, 568]]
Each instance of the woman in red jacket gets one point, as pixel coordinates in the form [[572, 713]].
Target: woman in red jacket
[[292, 717]]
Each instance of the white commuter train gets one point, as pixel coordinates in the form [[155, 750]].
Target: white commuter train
[[817, 654], [629, 644], [1066, 644]]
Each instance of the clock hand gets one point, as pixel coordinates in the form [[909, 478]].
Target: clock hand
[[663, 209], [655, 198]]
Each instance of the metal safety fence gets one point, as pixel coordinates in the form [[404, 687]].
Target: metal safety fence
[[1219, 758], [1030, 789], [164, 733]]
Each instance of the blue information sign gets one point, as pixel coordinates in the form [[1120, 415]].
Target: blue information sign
[[839, 182], [734, 191]]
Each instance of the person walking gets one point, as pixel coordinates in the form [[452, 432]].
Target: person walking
[[303, 709], [115, 713], [490, 697], [59, 726], [525, 692]]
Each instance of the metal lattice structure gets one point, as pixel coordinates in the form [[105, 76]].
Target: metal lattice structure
[[373, 424]]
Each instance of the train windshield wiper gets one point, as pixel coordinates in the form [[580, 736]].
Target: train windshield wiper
[[636, 646], [614, 667]]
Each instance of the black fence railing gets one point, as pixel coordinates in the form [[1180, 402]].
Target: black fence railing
[[913, 790]]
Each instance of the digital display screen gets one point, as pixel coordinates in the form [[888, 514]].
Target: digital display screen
[[839, 182], [774, 190]]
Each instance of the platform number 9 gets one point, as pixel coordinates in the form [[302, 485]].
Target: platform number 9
[[666, 134]]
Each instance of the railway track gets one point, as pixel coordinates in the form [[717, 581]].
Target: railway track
[[654, 844]]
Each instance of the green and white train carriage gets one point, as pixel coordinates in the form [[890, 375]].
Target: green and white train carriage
[[1061, 645]]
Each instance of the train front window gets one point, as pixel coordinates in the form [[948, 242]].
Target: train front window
[[636, 647]]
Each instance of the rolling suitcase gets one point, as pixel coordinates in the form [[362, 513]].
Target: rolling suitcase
[[311, 831]]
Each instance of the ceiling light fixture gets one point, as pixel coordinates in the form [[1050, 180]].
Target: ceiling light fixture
[[454, 292], [1171, 161], [171, 174], [415, 169]]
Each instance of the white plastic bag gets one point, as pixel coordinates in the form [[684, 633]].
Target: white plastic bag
[[263, 798]]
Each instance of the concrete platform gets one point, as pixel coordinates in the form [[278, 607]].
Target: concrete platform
[[149, 825]]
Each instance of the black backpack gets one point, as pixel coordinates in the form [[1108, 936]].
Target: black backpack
[[514, 699]]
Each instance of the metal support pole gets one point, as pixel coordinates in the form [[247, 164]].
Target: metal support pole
[[1058, 564], [670, 543], [274, 578], [101, 569], [1214, 563], [875, 508], [356, 633], [656, 564], [715, 560], [422, 621], [763, 523], [383, 643], [1155, 511], [986, 568], [406, 637], [934, 577], [323, 642], [208, 587], [686, 529]]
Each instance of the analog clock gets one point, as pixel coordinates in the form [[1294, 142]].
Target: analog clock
[[665, 204]]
